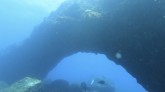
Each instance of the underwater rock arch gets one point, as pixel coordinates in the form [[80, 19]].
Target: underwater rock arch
[[106, 27]]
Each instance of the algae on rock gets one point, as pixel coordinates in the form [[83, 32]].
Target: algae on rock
[[91, 14], [25, 85]]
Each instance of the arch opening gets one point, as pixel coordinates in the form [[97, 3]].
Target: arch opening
[[81, 67]]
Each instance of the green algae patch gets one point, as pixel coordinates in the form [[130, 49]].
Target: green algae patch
[[91, 14], [25, 85]]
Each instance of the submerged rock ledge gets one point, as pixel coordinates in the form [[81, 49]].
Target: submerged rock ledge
[[134, 29]]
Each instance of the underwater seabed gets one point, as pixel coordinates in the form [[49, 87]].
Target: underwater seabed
[[28, 84]]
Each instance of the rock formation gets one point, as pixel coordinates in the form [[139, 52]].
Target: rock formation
[[25, 85], [129, 32]]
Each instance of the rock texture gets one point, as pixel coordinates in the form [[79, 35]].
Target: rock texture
[[25, 85], [59, 86], [129, 32]]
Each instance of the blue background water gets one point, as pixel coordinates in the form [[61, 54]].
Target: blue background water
[[17, 21], [80, 67]]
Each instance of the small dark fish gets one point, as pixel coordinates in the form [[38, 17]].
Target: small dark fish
[[101, 82]]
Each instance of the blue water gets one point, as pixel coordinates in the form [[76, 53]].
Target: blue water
[[22, 16], [80, 67]]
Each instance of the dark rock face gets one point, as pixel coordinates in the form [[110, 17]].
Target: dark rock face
[[59, 86], [75, 88], [129, 32]]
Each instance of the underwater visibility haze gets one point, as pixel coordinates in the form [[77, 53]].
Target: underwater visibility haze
[[22, 16], [81, 45]]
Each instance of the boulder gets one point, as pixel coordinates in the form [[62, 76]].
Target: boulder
[[25, 85], [59, 86], [75, 87]]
